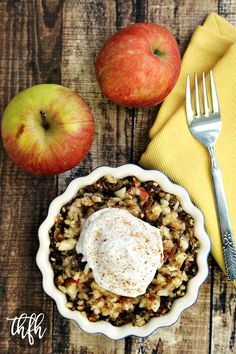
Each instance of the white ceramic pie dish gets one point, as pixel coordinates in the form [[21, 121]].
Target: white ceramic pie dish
[[179, 304]]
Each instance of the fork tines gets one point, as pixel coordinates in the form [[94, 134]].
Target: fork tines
[[214, 99]]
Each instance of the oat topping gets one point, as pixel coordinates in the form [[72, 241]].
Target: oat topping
[[147, 201]]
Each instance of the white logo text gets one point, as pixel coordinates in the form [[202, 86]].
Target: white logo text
[[28, 326]]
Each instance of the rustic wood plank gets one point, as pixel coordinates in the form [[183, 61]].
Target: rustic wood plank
[[26, 30], [224, 295], [223, 314], [180, 18], [86, 26], [227, 9]]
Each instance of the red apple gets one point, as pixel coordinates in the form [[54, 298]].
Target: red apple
[[47, 129], [139, 65]]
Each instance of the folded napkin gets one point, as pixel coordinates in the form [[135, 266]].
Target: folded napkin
[[175, 151]]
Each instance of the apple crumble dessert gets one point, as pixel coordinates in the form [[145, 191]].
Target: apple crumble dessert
[[134, 275]]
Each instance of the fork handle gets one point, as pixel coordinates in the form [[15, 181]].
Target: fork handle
[[227, 240]]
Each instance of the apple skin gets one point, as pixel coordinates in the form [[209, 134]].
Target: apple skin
[[52, 141], [139, 65]]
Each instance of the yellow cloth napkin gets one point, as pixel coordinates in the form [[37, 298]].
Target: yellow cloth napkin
[[175, 151]]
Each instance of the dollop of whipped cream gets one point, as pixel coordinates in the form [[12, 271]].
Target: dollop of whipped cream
[[123, 251]]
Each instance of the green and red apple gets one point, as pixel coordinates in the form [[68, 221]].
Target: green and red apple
[[139, 65], [47, 129]]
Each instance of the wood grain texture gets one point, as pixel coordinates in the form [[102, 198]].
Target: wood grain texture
[[26, 30], [223, 338], [86, 25], [223, 314], [57, 41]]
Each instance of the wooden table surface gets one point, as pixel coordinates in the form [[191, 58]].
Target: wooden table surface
[[44, 41]]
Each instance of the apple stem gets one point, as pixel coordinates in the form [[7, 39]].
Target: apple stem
[[158, 53], [44, 121]]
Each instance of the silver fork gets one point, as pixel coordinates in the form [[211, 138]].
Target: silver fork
[[206, 128]]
